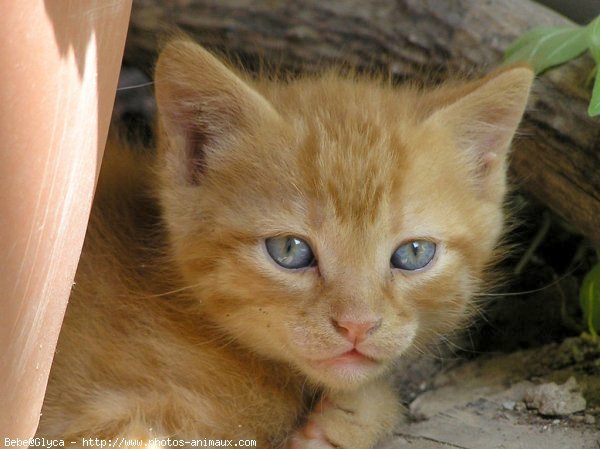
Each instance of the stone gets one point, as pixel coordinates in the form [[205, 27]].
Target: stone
[[509, 405], [551, 399], [589, 419]]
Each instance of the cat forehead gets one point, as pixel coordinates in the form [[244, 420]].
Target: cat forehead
[[331, 98], [349, 152], [350, 148]]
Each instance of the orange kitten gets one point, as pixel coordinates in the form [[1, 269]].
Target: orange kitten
[[307, 234]]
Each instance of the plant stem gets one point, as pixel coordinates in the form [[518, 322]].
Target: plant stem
[[535, 243]]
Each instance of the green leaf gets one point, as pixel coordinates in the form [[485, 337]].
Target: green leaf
[[593, 30], [526, 39], [546, 47], [589, 298], [594, 107]]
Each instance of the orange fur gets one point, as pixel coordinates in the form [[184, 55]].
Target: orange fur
[[180, 325]]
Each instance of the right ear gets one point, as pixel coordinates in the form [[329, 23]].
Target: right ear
[[483, 119], [202, 107]]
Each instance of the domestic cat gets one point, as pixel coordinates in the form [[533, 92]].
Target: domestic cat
[[258, 275]]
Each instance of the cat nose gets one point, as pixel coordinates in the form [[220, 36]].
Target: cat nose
[[356, 331]]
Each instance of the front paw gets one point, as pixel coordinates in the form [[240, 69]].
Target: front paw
[[312, 435], [349, 420]]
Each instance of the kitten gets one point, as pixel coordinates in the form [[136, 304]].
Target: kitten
[[306, 234]]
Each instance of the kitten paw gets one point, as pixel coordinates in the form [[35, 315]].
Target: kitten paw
[[349, 420], [310, 436], [313, 435]]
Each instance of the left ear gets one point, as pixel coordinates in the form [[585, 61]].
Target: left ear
[[483, 121], [203, 106]]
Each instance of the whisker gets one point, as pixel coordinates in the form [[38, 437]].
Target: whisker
[[171, 292], [447, 341], [526, 292], [135, 86]]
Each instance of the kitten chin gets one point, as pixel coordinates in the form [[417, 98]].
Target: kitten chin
[[288, 242]]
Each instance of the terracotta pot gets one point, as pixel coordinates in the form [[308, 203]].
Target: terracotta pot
[[59, 64]]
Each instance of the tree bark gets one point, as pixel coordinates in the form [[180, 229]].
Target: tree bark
[[556, 158]]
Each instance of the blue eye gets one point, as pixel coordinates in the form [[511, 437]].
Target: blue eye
[[413, 255], [290, 252]]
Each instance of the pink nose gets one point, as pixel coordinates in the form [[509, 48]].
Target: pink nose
[[356, 331]]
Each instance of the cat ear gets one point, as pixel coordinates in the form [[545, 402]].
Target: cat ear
[[483, 121], [203, 107]]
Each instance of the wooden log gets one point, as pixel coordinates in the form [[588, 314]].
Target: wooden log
[[557, 156]]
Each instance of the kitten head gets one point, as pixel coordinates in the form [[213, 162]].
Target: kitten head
[[330, 222]]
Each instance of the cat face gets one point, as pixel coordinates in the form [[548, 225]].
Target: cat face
[[331, 223]]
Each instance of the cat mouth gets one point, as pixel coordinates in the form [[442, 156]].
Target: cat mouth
[[346, 369], [348, 359]]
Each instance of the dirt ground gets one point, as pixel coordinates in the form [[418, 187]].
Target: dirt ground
[[496, 402]]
